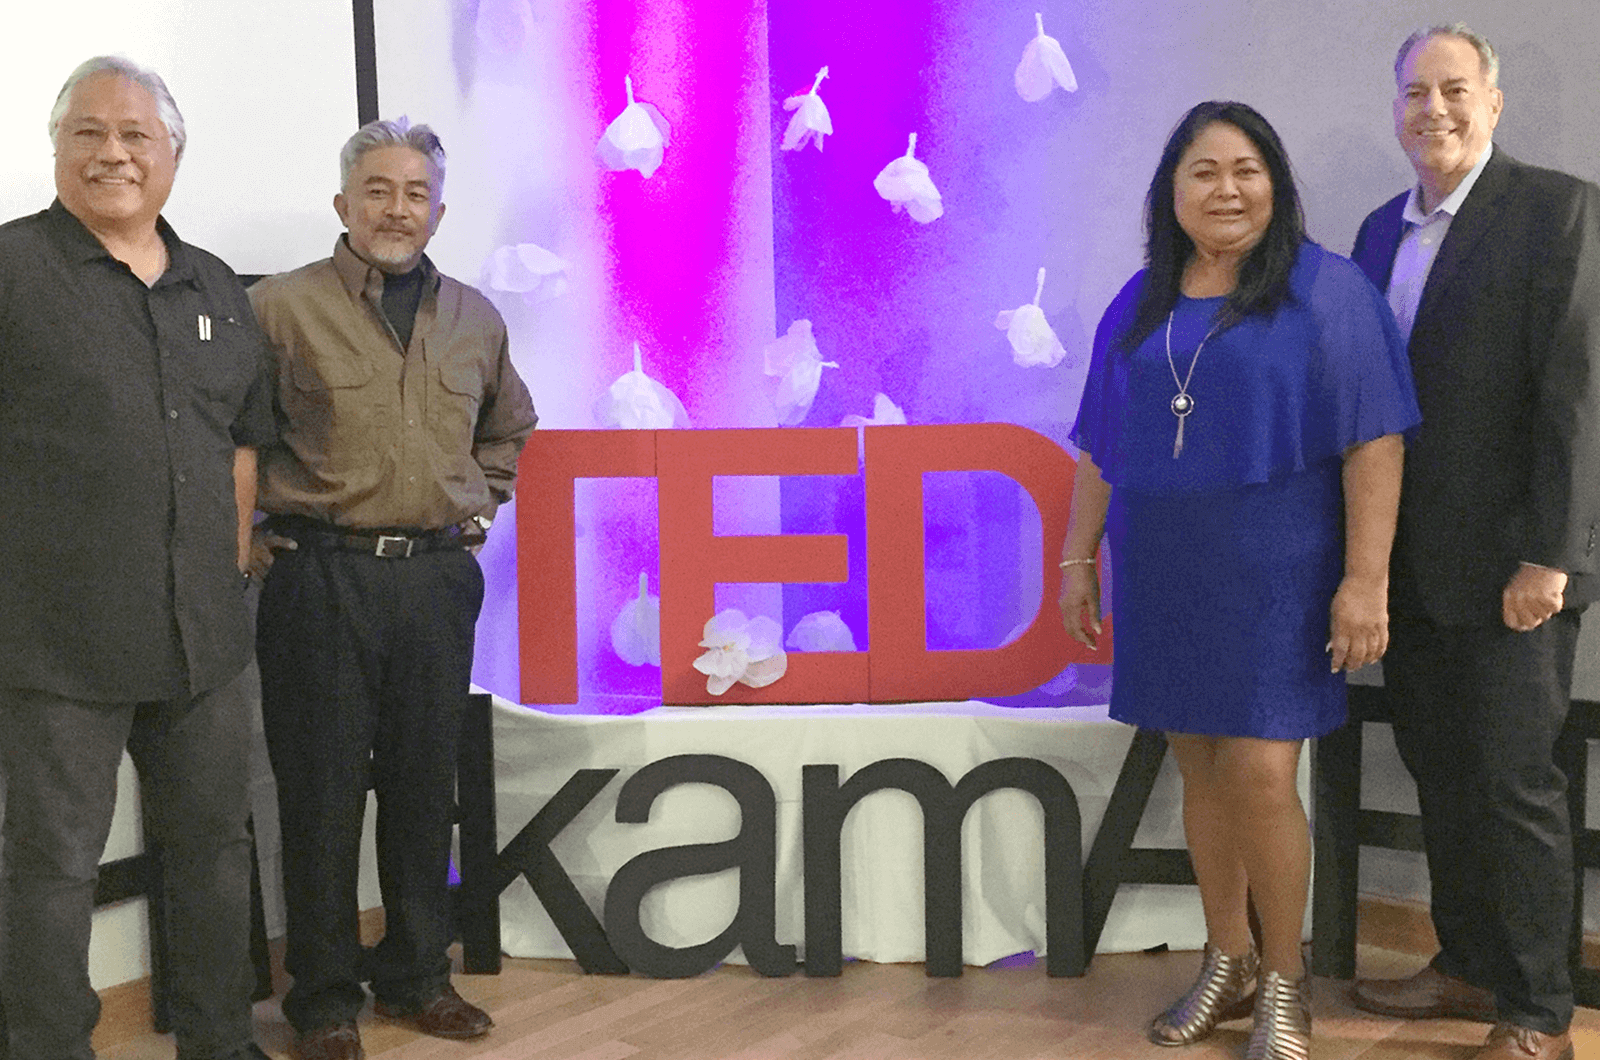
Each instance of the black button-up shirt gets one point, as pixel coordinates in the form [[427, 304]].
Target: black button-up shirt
[[120, 409]]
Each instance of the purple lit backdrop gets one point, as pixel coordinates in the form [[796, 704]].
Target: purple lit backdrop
[[895, 302], [691, 279], [732, 239]]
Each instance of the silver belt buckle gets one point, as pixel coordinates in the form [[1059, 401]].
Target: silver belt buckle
[[394, 547]]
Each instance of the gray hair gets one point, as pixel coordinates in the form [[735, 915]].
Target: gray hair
[[128, 70], [397, 133], [1488, 59]]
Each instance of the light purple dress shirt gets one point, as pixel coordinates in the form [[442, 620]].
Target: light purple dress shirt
[[1420, 244]]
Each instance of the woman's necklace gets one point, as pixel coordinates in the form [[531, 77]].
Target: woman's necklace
[[1182, 402]]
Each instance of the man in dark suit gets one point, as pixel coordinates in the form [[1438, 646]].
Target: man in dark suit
[[1493, 270]]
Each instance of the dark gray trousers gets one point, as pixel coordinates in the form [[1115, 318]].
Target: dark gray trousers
[[60, 759], [1477, 710]]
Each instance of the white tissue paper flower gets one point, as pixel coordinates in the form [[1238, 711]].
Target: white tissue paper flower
[[741, 649], [810, 122], [528, 270], [797, 363], [638, 403], [1033, 340], [503, 25], [907, 186], [1044, 66], [637, 138], [884, 412], [636, 631], [821, 631]]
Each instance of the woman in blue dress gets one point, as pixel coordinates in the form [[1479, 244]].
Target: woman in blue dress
[[1241, 446]]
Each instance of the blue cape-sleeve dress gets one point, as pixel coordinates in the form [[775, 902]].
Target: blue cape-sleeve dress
[[1225, 559]]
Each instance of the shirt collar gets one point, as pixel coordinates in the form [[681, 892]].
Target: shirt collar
[[1451, 205], [358, 277], [84, 245]]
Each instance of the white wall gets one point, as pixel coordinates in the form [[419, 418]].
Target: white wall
[[267, 93]]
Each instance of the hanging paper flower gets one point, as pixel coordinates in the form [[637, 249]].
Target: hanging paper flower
[[884, 412], [821, 631], [636, 138], [528, 270], [1033, 341], [637, 402], [810, 122], [907, 186], [636, 631], [503, 25], [794, 358], [1044, 66], [741, 649]]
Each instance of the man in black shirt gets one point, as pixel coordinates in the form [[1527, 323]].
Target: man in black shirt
[[133, 396]]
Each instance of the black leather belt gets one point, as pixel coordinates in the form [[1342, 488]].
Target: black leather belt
[[385, 544]]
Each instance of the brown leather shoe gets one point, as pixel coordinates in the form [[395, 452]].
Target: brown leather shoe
[[445, 1015], [339, 1042], [1428, 995], [1510, 1042]]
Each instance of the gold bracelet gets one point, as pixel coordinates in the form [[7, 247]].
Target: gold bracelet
[[1064, 564]]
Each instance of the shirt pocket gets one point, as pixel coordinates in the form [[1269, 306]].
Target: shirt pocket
[[217, 372], [338, 407], [226, 364], [453, 405]]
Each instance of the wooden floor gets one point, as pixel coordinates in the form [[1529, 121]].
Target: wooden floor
[[549, 1010]]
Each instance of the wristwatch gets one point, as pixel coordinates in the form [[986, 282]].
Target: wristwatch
[[482, 522]]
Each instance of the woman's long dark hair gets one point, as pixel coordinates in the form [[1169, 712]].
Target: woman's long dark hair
[[1264, 274]]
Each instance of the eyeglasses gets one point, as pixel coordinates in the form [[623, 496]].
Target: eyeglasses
[[91, 139]]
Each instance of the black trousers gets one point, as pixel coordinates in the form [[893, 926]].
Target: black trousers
[[365, 665], [1477, 711], [60, 758]]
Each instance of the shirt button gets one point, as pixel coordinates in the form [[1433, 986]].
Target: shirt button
[[411, 423], [182, 479], [172, 414]]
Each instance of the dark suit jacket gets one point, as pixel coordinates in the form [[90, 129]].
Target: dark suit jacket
[[1506, 357]]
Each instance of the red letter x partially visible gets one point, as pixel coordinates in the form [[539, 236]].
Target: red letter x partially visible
[[899, 666]]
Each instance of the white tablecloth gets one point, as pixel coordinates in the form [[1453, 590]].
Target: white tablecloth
[[1002, 861]]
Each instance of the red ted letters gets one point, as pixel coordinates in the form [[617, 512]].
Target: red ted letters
[[898, 667]]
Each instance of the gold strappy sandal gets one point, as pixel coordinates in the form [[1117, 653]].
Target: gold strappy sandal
[[1222, 992], [1283, 1019]]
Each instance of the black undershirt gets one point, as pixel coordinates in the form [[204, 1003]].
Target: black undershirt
[[401, 297]]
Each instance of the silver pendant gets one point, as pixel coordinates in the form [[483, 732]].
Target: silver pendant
[[1182, 403]]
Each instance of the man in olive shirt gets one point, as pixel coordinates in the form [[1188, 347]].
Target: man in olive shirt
[[401, 421], [133, 394]]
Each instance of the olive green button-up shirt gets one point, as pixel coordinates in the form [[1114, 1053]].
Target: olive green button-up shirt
[[375, 435]]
